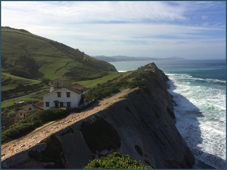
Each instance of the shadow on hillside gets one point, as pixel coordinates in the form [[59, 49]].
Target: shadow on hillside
[[187, 123]]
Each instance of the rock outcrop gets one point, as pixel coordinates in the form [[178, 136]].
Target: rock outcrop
[[141, 125]]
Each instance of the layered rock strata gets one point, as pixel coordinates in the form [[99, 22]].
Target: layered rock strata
[[141, 124]]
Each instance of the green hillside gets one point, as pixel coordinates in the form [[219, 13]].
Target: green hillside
[[29, 61], [31, 56]]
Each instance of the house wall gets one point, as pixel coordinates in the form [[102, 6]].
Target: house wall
[[51, 97]]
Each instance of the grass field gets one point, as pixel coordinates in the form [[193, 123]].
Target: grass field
[[9, 81], [55, 60], [37, 96], [10, 102], [93, 83]]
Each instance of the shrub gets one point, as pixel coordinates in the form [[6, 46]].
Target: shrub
[[16, 131], [51, 114], [116, 161]]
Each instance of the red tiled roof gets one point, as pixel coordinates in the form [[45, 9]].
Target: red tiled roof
[[76, 88], [39, 104]]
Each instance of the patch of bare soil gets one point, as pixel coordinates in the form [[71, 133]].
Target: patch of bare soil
[[13, 147]]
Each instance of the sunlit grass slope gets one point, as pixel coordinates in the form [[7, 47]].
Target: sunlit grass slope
[[54, 59]]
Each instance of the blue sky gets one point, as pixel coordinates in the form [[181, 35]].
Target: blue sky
[[189, 29]]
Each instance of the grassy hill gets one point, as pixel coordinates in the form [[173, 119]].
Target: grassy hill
[[26, 57], [48, 58], [14, 86]]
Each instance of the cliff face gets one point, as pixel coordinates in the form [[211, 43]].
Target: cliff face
[[141, 125]]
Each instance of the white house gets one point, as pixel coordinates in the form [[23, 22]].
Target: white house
[[70, 97]]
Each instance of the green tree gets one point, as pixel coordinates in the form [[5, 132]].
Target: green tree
[[25, 67]]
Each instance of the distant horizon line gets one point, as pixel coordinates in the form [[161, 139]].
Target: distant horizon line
[[156, 57]]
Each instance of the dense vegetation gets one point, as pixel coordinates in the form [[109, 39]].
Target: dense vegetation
[[23, 66], [32, 120], [116, 161], [131, 80]]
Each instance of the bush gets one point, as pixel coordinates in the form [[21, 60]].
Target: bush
[[51, 114], [116, 161], [19, 72], [16, 131]]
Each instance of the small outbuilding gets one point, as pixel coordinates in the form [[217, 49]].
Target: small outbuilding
[[22, 113]]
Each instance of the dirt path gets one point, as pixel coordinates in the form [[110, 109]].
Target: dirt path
[[11, 148]]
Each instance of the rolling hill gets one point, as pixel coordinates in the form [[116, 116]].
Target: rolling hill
[[30, 56], [29, 61]]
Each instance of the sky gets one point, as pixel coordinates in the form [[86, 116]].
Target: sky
[[188, 29]]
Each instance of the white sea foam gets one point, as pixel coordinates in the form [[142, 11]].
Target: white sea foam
[[201, 107], [189, 77], [201, 116]]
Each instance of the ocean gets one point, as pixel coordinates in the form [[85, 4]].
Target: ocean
[[199, 90]]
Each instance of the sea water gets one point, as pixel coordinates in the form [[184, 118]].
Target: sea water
[[199, 90]]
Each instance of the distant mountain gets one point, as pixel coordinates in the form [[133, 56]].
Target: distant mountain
[[30, 56], [171, 58], [121, 58], [126, 58]]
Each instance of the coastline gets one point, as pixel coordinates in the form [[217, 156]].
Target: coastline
[[203, 83], [189, 122], [144, 131]]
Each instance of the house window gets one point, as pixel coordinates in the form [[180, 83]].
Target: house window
[[67, 94], [59, 94], [61, 104], [47, 104], [68, 104]]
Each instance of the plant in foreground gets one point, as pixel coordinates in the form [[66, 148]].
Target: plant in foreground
[[116, 161]]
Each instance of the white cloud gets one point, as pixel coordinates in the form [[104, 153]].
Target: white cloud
[[147, 27], [93, 11]]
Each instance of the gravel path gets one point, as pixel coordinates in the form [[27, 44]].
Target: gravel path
[[13, 147]]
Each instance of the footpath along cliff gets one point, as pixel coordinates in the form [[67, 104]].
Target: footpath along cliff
[[141, 123]]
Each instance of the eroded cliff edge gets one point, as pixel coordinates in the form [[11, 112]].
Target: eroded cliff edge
[[141, 125]]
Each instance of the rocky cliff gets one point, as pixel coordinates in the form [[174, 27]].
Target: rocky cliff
[[141, 124]]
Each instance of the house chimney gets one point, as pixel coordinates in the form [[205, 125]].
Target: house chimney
[[51, 88]]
